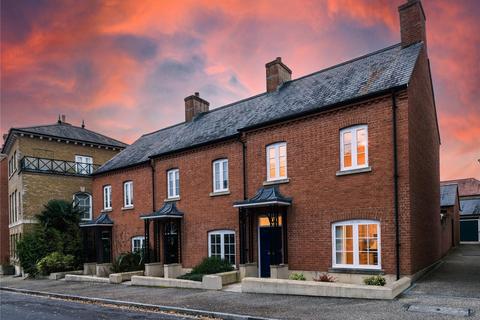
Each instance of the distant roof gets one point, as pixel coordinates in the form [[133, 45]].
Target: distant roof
[[265, 196], [370, 74], [64, 130], [448, 195], [466, 187], [102, 220], [470, 206], [168, 210]]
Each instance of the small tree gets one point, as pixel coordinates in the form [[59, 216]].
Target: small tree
[[57, 231]]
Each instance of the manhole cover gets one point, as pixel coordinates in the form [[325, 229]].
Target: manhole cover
[[463, 312]]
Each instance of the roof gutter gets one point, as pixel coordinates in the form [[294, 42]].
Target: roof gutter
[[321, 109]]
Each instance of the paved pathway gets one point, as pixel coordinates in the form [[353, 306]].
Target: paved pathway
[[454, 284]]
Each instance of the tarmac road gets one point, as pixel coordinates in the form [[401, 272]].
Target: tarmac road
[[15, 306]]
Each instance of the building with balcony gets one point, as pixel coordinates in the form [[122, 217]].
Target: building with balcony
[[51, 162]]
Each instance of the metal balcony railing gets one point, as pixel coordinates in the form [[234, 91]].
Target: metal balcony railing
[[44, 165]]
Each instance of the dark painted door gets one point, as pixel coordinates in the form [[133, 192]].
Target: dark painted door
[[469, 230], [106, 247], [171, 242], [270, 249]]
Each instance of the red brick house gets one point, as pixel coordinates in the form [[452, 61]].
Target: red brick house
[[334, 171]]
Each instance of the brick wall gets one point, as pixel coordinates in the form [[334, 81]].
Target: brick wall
[[424, 168]]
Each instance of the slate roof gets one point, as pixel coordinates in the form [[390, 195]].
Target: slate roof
[[265, 196], [448, 194], [68, 131], [102, 220], [377, 72], [169, 210], [470, 206]]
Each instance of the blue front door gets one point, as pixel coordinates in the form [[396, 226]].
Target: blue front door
[[270, 249]]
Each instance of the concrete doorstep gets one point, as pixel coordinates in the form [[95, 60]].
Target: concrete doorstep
[[141, 306]]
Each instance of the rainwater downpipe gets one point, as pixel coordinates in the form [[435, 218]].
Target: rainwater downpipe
[[395, 183]]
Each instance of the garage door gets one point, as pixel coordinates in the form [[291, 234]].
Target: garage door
[[469, 230]]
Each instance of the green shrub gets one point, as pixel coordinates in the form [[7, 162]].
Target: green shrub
[[297, 276], [128, 261], [375, 281], [30, 249], [209, 265], [56, 262]]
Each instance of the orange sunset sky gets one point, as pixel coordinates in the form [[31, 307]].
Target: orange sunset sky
[[125, 66]]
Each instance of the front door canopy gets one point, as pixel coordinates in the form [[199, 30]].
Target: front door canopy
[[168, 211], [102, 221], [266, 196]]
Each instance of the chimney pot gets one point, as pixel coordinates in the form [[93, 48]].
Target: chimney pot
[[63, 118], [277, 73], [412, 23], [195, 105]]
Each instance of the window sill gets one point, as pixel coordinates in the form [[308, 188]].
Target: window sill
[[107, 210], [128, 208], [279, 181], [171, 199], [219, 193], [353, 171], [356, 271]]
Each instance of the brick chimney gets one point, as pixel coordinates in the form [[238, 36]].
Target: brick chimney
[[277, 74], [412, 23], [194, 105]]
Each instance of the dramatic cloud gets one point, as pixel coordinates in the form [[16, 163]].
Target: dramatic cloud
[[125, 66]]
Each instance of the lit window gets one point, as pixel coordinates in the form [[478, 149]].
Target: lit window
[[107, 197], [277, 161], [138, 243], [83, 202], [356, 244], [354, 147], [128, 194], [173, 177], [221, 244], [83, 164], [220, 175]]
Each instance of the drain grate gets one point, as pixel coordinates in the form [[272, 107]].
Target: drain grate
[[462, 312]]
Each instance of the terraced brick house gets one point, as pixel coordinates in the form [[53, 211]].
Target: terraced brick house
[[51, 162], [335, 171]]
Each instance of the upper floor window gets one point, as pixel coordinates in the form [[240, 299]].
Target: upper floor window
[[138, 243], [356, 244], [12, 163], [277, 161], [221, 244], [83, 164], [354, 147], [107, 197], [173, 177], [83, 202], [128, 194], [220, 175]]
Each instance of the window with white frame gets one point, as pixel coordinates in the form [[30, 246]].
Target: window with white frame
[[356, 244], [221, 244], [173, 178], [83, 164], [107, 197], [83, 202], [128, 194], [138, 243], [220, 175], [277, 161], [354, 147]]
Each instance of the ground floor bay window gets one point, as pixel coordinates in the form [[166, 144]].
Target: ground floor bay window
[[356, 244], [221, 244]]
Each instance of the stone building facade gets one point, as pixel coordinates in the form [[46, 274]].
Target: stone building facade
[[50, 162]]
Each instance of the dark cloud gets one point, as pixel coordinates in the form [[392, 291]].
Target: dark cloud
[[137, 47]]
